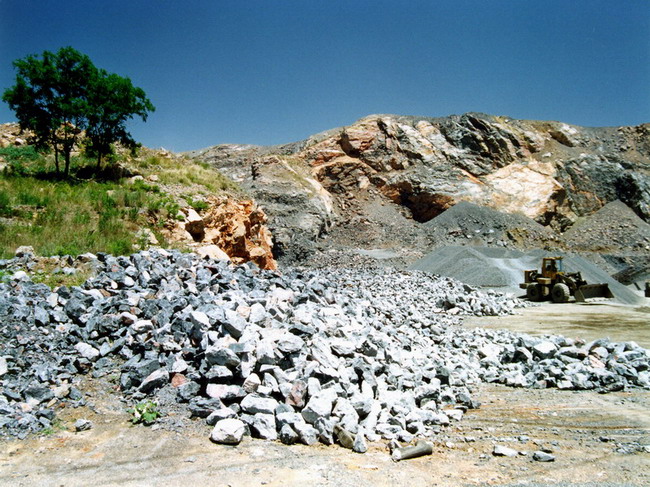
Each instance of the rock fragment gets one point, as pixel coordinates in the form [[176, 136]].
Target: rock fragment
[[540, 456], [228, 431]]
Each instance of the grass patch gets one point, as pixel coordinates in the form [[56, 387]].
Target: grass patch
[[50, 274], [198, 205], [56, 426], [185, 172], [70, 218]]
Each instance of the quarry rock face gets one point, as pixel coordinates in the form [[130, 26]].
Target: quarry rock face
[[550, 172]]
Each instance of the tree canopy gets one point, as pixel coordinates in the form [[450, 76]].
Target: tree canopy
[[64, 99]]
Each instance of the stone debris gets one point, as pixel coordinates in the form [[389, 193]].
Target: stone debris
[[504, 451], [301, 356], [228, 431], [540, 456], [82, 425]]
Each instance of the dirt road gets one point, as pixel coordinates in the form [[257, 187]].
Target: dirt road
[[589, 321]]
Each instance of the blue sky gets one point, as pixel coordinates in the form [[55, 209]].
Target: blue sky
[[269, 72]]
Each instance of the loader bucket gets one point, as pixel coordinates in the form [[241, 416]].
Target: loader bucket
[[593, 291]]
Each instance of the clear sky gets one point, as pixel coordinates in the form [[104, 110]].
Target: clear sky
[[276, 71]]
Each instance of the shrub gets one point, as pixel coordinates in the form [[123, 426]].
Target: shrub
[[145, 412]]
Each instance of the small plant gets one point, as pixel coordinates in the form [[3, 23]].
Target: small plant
[[198, 205], [145, 412], [55, 426]]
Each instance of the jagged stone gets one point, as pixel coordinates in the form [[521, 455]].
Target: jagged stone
[[87, 351], [154, 380], [504, 451], [288, 435], [82, 425], [264, 426], [219, 414], [540, 456], [360, 445]]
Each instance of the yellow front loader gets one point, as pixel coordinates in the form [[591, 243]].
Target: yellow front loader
[[556, 284]]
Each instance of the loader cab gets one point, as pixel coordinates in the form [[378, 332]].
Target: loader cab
[[551, 266]]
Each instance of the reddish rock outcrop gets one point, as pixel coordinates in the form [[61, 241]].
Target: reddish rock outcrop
[[230, 228], [239, 229]]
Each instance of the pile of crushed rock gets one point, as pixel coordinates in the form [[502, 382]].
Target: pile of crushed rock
[[470, 224], [300, 356], [500, 268], [615, 226]]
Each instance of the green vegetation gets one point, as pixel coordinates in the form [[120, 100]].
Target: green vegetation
[[197, 176], [65, 100], [58, 218], [46, 274], [74, 216], [145, 412], [56, 426], [198, 205]]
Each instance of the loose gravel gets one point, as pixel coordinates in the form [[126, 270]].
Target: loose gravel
[[331, 355]]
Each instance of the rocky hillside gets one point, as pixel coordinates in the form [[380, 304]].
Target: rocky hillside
[[376, 182]]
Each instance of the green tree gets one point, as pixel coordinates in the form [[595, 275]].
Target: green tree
[[64, 99], [113, 101], [50, 99]]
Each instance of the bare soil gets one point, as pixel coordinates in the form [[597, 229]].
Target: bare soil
[[587, 321]]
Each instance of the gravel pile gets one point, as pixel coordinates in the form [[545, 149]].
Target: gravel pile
[[491, 267], [303, 356], [467, 222], [614, 226]]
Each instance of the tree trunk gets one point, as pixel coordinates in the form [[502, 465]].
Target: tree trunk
[[99, 163], [66, 171], [56, 160]]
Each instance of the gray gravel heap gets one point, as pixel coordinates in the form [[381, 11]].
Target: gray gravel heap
[[302, 356]]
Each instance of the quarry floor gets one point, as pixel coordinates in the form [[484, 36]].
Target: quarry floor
[[594, 437]]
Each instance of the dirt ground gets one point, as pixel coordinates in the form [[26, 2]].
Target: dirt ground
[[588, 321], [597, 439]]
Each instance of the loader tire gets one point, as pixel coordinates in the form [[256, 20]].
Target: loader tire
[[534, 292], [560, 293]]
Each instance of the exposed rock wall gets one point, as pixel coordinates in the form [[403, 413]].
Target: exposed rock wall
[[551, 172]]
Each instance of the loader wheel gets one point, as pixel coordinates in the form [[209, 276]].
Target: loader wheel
[[560, 293], [534, 292]]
